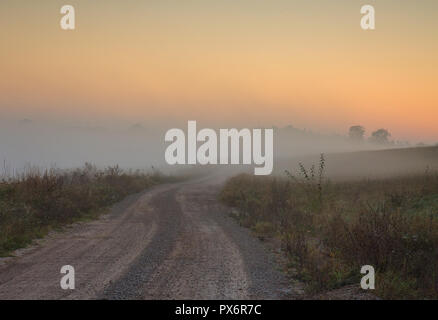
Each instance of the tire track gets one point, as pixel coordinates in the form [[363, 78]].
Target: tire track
[[172, 242]]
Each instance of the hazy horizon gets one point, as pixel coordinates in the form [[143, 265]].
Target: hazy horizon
[[27, 142]]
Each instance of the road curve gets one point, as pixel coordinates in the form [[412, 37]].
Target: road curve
[[174, 241]]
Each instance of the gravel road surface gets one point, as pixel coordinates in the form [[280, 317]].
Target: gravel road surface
[[175, 241]]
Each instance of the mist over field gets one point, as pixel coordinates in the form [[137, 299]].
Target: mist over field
[[27, 142], [30, 143]]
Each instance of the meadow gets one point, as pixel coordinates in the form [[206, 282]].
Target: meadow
[[328, 228], [35, 202]]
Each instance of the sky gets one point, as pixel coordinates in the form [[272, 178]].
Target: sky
[[228, 63]]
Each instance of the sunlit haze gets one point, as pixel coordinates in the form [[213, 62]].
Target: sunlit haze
[[223, 63]]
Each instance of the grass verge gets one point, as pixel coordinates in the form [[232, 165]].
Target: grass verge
[[34, 203], [328, 230]]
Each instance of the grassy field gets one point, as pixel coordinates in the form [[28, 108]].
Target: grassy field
[[368, 164], [329, 228], [36, 202]]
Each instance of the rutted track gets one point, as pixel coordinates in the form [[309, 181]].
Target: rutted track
[[172, 242]]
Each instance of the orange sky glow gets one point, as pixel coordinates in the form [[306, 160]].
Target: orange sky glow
[[307, 63]]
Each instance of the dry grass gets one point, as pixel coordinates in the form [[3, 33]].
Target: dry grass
[[328, 230], [36, 202]]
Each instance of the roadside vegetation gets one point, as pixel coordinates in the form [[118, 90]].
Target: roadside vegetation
[[33, 203], [329, 229]]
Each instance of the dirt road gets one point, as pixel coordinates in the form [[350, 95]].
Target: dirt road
[[174, 241]]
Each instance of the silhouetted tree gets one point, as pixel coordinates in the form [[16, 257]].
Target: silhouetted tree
[[356, 133], [380, 136]]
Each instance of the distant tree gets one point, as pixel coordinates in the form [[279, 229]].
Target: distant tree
[[356, 133], [380, 136]]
